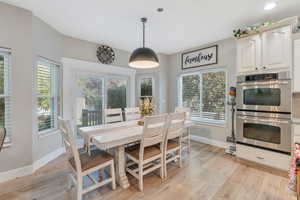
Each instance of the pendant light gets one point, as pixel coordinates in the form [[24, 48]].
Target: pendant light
[[143, 58]]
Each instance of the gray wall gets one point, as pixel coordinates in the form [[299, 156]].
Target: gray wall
[[84, 50], [16, 33], [31, 38], [47, 43], [226, 59]]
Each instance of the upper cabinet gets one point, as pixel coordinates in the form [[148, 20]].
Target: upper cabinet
[[248, 53], [277, 48], [296, 73], [268, 51]]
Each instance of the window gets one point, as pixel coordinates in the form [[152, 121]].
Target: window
[[89, 101], [48, 95], [205, 93], [5, 93], [116, 93], [146, 88]]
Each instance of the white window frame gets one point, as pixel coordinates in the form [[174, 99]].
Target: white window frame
[[203, 71], [6, 53], [59, 65], [140, 84]]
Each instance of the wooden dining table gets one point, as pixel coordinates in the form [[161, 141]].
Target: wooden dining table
[[115, 136]]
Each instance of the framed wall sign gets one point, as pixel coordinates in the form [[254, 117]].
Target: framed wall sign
[[200, 57]]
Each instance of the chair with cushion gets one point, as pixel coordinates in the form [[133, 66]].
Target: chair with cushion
[[172, 147], [148, 155], [132, 113], [83, 164], [113, 115], [186, 138], [2, 137]]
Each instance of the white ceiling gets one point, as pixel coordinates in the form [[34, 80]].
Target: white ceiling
[[182, 25]]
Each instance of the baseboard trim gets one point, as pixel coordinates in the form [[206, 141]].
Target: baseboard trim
[[15, 173], [209, 141], [46, 159], [30, 169]]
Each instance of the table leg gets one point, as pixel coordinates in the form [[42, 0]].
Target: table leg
[[120, 167]]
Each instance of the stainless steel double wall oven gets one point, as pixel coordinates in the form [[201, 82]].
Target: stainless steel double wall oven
[[264, 104]]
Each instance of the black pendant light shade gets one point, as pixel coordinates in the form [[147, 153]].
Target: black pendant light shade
[[143, 57]]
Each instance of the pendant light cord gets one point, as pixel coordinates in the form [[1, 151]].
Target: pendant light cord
[[143, 34], [144, 20]]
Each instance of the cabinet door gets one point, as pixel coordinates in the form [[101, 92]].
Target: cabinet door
[[277, 48], [296, 66], [248, 54]]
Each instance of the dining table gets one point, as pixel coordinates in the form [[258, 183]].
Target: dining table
[[116, 136]]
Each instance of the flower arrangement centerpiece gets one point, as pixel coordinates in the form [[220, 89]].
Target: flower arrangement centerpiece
[[250, 30], [146, 106]]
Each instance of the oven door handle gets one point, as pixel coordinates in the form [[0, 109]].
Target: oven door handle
[[264, 83], [265, 120]]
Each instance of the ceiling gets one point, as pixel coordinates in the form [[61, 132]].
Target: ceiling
[[183, 24]]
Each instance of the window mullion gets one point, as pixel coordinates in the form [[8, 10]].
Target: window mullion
[[201, 95]]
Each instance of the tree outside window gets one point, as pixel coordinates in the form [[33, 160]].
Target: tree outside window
[[48, 95], [205, 93]]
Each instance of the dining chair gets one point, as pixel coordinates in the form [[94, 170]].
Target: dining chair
[[186, 138], [113, 115], [132, 113], [2, 137], [83, 164], [148, 155], [173, 137]]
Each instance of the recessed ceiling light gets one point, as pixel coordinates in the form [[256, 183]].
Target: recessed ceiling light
[[270, 5]]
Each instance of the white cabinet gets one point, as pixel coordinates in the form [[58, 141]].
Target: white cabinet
[[248, 54], [264, 157], [277, 48], [296, 65], [268, 51]]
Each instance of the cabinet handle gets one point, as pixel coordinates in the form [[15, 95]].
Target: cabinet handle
[[260, 158], [264, 67], [256, 68]]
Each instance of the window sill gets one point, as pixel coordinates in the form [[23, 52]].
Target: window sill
[[7, 145], [200, 122], [48, 133]]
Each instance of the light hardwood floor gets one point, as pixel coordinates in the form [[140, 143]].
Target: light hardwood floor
[[207, 173]]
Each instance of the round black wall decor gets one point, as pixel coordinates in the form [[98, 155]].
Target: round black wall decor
[[105, 54]]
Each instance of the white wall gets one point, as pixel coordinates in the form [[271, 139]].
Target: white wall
[[227, 60]]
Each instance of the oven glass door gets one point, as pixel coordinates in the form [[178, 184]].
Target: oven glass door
[[262, 132], [269, 133], [262, 96], [265, 96]]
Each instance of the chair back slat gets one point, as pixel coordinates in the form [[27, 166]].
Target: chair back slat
[[186, 110], [175, 125], [113, 115], [132, 113], [2, 137], [154, 130], [68, 138]]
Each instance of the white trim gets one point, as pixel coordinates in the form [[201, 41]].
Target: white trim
[[205, 140], [202, 71], [30, 169], [49, 157], [15, 173], [72, 67]]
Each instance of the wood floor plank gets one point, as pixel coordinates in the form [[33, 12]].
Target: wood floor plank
[[207, 174]]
